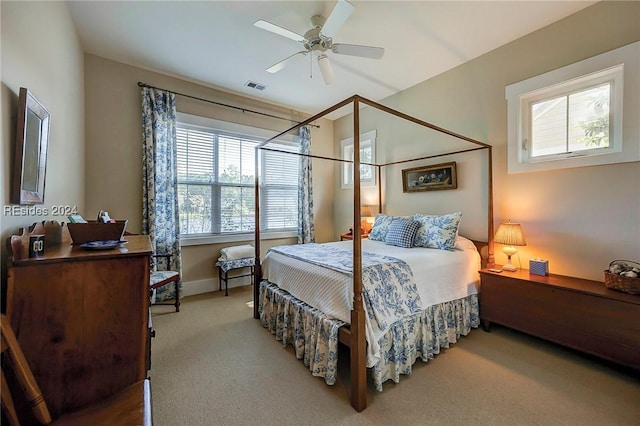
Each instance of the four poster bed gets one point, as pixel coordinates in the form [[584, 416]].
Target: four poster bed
[[386, 299]]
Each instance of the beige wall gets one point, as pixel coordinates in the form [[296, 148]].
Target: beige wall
[[579, 219], [399, 140], [87, 92], [114, 153], [40, 51]]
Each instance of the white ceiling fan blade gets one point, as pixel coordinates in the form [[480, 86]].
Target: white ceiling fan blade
[[325, 69], [278, 30], [339, 15], [277, 67], [358, 50]]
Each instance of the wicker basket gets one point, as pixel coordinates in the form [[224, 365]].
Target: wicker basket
[[620, 282]]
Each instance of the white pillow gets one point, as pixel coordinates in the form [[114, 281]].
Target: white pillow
[[463, 243], [237, 252]]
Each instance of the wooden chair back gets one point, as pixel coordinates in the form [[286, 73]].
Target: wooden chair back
[[14, 357], [160, 278]]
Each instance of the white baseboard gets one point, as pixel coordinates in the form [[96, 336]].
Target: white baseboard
[[190, 288]]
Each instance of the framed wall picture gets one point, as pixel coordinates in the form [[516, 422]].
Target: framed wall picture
[[430, 178], [367, 155]]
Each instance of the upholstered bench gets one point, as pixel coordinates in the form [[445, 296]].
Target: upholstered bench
[[224, 266], [235, 257]]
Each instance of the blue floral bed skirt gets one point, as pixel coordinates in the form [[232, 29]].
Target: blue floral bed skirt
[[314, 335]]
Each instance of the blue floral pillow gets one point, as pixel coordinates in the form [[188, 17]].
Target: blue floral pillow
[[401, 233], [381, 226], [437, 232]]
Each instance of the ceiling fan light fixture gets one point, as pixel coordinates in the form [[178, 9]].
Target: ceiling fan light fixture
[[325, 69]]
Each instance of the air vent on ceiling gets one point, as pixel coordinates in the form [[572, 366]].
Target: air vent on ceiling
[[255, 85]]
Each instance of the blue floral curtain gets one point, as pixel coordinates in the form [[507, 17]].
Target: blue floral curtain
[[306, 233], [160, 189]]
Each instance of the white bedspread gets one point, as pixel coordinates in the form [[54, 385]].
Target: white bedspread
[[440, 276]]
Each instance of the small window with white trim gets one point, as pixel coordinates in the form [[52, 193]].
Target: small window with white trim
[[573, 121], [573, 116]]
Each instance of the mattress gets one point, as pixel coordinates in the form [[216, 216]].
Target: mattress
[[440, 276]]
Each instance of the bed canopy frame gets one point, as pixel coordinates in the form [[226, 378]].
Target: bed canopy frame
[[354, 336]]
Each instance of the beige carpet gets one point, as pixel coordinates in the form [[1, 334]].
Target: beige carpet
[[213, 364]]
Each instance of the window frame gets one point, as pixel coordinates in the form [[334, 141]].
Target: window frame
[[367, 142], [232, 130], [613, 76], [277, 145], [619, 67]]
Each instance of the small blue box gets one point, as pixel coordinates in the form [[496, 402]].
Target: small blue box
[[539, 267]]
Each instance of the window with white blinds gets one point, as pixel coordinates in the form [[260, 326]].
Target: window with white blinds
[[279, 189], [216, 178]]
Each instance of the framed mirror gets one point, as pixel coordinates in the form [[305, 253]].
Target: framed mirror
[[32, 139]]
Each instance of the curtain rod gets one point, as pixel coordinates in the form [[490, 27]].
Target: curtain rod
[[141, 84]]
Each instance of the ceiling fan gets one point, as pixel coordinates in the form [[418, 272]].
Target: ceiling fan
[[319, 39]]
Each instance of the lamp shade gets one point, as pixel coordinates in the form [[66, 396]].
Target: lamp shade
[[510, 234], [365, 211]]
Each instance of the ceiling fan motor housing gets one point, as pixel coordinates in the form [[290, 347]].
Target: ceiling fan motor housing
[[313, 40]]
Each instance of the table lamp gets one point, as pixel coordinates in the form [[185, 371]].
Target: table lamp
[[509, 234], [365, 215]]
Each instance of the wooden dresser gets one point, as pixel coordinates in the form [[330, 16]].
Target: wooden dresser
[[578, 313], [82, 319]]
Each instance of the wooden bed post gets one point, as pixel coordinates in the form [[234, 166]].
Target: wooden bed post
[[259, 148], [257, 267], [490, 258], [379, 182], [358, 337]]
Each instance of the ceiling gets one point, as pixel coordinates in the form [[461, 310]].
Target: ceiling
[[215, 43]]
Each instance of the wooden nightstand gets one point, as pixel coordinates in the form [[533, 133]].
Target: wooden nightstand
[[349, 236], [578, 313]]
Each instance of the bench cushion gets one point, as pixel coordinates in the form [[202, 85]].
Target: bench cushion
[[227, 265]]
